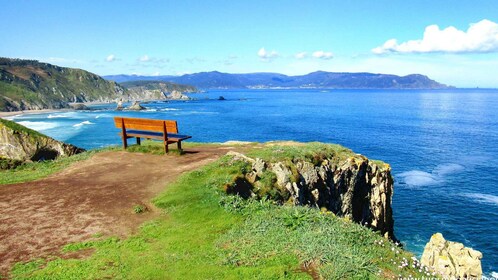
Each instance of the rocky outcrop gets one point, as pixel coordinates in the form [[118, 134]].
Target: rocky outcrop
[[452, 260], [119, 106], [136, 107], [176, 95], [21, 143], [79, 106], [357, 189]]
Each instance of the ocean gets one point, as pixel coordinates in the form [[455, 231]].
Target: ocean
[[442, 145]]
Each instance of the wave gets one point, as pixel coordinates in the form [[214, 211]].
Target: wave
[[494, 274], [63, 115], [418, 178], [82, 123], [169, 109], [38, 126], [483, 198], [11, 118]]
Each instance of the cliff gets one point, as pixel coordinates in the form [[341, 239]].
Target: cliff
[[21, 143], [155, 90], [353, 187]]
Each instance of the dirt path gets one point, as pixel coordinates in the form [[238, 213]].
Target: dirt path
[[91, 197]]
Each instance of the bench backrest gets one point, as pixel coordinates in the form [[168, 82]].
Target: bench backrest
[[146, 124]]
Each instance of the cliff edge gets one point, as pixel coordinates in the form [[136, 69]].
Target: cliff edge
[[355, 188], [21, 143]]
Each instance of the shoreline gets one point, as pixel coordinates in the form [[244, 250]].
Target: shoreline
[[32, 112], [4, 114]]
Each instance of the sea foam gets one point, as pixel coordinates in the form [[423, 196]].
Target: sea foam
[[483, 198], [418, 178], [38, 126], [82, 123]]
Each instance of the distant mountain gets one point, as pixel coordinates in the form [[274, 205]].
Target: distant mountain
[[319, 79], [29, 85]]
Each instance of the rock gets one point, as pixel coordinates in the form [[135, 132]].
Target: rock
[[136, 106], [221, 98], [21, 143], [452, 259], [79, 106], [357, 188], [119, 106], [176, 95]]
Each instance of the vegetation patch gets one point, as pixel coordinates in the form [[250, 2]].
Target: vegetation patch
[[206, 234]]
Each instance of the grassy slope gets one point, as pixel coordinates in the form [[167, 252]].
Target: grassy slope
[[50, 86], [205, 234]]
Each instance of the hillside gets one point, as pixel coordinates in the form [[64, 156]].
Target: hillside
[[319, 79], [155, 89], [29, 85]]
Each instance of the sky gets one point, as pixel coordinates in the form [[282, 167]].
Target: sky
[[454, 42]]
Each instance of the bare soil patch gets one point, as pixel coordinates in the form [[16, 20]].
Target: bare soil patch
[[95, 196]]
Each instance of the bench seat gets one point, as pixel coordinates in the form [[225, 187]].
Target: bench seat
[[152, 134], [165, 130]]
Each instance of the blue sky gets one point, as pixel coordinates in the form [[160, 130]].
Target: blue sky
[[290, 37]]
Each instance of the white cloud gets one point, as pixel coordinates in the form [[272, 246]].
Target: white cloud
[[481, 37], [323, 55], [144, 58], [110, 58], [266, 55], [301, 55], [156, 74]]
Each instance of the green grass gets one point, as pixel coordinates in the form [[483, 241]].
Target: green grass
[[20, 128], [206, 234], [314, 152]]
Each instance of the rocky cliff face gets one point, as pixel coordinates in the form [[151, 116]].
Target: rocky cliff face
[[452, 260], [155, 90], [20, 143], [357, 188]]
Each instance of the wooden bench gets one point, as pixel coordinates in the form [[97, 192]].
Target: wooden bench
[[164, 130]]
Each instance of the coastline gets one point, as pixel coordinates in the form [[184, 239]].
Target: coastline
[[32, 112]]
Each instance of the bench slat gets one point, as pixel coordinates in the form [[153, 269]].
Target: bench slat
[[146, 124], [150, 128]]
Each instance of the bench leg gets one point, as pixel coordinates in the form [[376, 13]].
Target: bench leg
[[179, 146], [138, 140], [166, 149], [125, 143]]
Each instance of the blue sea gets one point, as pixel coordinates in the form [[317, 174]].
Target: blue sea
[[442, 145]]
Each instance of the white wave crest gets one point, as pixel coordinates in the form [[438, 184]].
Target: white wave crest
[[63, 115], [483, 198], [38, 126], [446, 169], [494, 274], [11, 118], [82, 123], [418, 178], [170, 109]]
